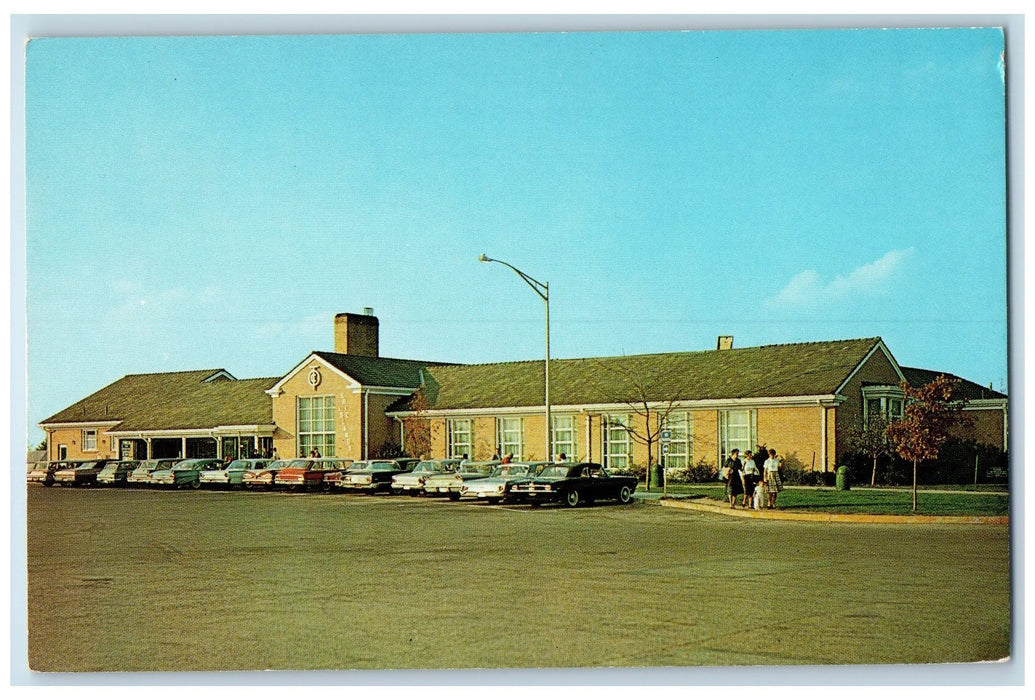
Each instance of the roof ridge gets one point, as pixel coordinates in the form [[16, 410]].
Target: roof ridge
[[434, 363], [873, 339], [182, 371]]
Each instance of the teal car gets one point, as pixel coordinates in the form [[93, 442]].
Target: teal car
[[184, 473]]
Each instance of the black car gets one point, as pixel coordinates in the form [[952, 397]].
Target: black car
[[572, 484], [375, 475]]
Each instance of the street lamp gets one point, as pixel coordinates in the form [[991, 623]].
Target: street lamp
[[543, 290]]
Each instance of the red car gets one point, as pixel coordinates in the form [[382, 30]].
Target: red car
[[309, 474]]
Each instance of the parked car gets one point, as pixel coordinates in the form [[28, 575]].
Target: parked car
[[375, 475], [572, 484], [450, 484], [43, 472], [413, 482], [184, 473], [308, 474], [141, 476], [116, 473], [80, 473], [232, 474], [497, 486], [264, 478]]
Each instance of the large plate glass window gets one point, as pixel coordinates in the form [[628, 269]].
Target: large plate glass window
[[510, 437], [564, 438], [680, 425], [617, 443], [737, 431], [316, 418], [461, 437]]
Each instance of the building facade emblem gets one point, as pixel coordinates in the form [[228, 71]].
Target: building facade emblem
[[314, 377]]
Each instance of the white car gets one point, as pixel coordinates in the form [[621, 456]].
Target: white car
[[496, 487], [413, 482], [232, 474]]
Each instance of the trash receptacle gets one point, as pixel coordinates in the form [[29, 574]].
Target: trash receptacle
[[657, 475], [842, 481]]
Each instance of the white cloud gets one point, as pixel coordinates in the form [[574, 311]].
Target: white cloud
[[807, 288]]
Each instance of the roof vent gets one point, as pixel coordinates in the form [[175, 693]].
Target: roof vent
[[725, 342], [368, 310]]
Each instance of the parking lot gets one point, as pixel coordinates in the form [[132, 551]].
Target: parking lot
[[145, 580]]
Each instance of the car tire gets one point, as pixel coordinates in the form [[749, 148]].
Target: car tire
[[454, 496], [571, 498], [48, 483], [493, 501], [195, 484], [625, 495], [533, 504]]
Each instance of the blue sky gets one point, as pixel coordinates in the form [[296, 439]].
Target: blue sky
[[203, 202]]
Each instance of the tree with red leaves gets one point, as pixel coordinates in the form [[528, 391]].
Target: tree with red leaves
[[930, 412]]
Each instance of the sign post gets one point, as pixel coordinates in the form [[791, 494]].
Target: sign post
[[666, 437]]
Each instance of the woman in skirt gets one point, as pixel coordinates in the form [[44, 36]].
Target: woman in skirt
[[734, 477], [774, 484]]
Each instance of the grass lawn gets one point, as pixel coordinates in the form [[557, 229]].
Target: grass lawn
[[874, 501]]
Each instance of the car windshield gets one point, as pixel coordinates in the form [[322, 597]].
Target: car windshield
[[382, 466], [556, 471], [298, 464], [427, 468], [87, 465], [511, 470], [238, 464]]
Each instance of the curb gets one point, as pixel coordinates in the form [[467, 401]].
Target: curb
[[834, 517]]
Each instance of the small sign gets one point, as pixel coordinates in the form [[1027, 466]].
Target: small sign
[[666, 435], [664, 448]]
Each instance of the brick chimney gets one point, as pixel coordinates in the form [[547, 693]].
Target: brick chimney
[[356, 334]]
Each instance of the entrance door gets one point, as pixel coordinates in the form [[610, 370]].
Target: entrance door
[[62, 452]]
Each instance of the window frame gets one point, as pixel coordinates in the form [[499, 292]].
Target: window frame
[[324, 440], [568, 447], [685, 443], [726, 444], [619, 424], [505, 443], [889, 396], [89, 439], [453, 431]]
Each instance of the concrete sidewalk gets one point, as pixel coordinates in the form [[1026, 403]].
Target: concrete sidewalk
[[711, 506]]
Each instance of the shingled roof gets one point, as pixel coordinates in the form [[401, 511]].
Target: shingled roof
[[378, 371], [971, 390], [799, 369], [175, 401]]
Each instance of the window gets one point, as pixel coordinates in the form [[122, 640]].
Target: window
[[617, 443], [89, 441], [681, 442], [316, 418], [510, 436], [885, 400], [461, 437], [737, 431], [564, 436]]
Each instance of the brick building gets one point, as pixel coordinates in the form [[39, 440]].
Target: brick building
[[802, 399]]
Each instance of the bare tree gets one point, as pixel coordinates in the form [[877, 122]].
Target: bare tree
[[648, 392], [417, 426], [872, 442]]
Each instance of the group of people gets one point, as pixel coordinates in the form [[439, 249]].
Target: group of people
[[756, 487]]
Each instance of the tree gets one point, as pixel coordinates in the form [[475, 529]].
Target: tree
[[417, 427], [930, 412], [648, 392], [872, 442]]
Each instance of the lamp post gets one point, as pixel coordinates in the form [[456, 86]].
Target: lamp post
[[543, 290]]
